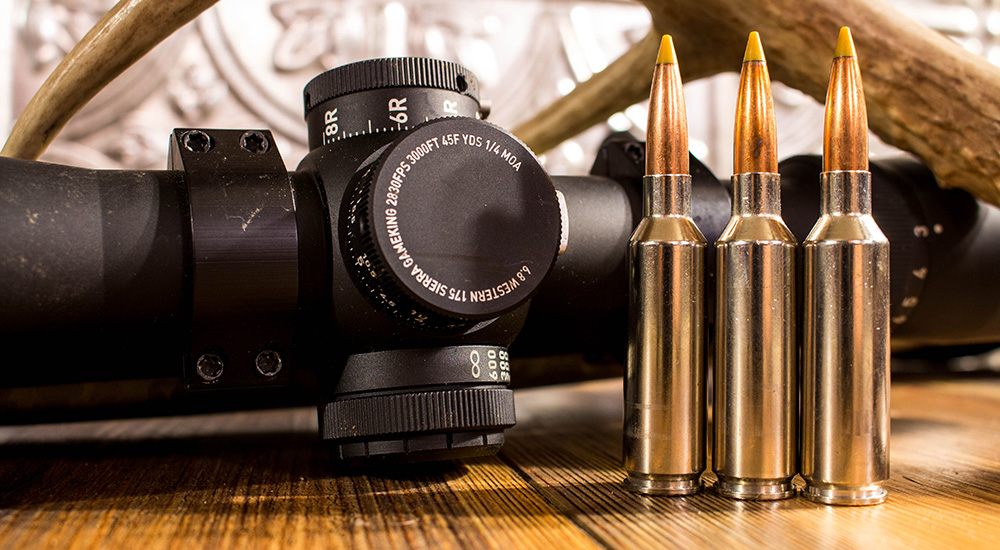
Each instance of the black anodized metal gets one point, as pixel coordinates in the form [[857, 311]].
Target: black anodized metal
[[244, 255]]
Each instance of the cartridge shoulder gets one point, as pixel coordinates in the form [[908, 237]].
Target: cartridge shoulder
[[852, 228], [668, 229], [757, 228]]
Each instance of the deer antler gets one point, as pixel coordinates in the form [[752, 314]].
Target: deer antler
[[126, 33], [925, 94]]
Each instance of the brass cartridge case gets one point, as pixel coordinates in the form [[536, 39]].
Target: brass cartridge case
[[664, 426], [755, 384], [845, 351]]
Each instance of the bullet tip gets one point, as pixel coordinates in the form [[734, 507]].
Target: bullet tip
[[845, 45], [666, 53], [755, 52]]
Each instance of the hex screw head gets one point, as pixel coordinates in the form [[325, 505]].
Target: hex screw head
[[634, 151], [254, 141], [197, 141], [209, 367], [268, 363]]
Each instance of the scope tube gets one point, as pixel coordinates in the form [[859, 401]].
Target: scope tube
[[93, 263], [95, 269], [944, 244]]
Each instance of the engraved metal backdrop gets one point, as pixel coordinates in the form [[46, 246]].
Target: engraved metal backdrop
[[243, 64]]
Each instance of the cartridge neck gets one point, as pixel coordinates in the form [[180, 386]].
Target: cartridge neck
[[757, 193], [666, 195], [846, 192]]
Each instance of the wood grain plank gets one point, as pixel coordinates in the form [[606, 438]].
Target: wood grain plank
[[251, 480], [944, 490], [261, 480]]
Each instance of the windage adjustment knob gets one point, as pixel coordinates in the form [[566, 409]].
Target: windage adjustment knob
[[454, 223]]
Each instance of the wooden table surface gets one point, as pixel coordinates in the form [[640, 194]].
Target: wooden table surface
[[262, 480]]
